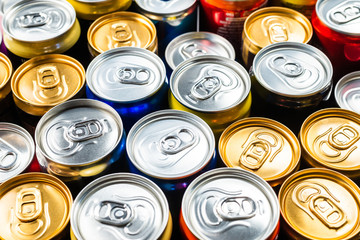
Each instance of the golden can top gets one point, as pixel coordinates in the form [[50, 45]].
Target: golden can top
[[321, 204], [46, 81], [262, 146], [331, 138], [34, 206], [6, 71], [276, 24], [122, 29]]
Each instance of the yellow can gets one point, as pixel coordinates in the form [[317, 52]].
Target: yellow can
[[271, 25], [6, 71], [262, 146], [34, 206], [91, 10], [319, 203], [46, 81], [330, 138], [121, 29]]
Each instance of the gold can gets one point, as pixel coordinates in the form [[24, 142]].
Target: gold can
[[6, 71], [262, 146], [320, 204], [271, 25], [91, 10], [34, 206], [121, 29], [330, 138], [46, 81]]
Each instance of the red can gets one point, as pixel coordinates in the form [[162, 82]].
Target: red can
[[337, 25]]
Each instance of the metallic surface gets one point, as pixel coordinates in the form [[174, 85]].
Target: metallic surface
[[34, 206], [6, 71], [121, 206], [320, 204], [192, 44], [230, 202], [347, 92], [305, 7], [262, 146], [121, 29], [46, 81], [330, 138]]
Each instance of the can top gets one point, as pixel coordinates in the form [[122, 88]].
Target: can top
[[165, 10], [78, 132], [35, 21], [210, 83], [125, 74], [192, 44], [231, 202], [277, 24], [170, 144], [321, 204], [17, 150], [48, 80], [123, 206], [121, 29], [6, 70], [347, 92], [293, 69], [34, 206], [331, 137], [262, 146], [342, 16], [6, 4]]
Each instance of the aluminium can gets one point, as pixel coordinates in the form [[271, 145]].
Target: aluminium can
[[7, 112], [330, 138], [132, 80], [34, 206], [336, 24], [121, 29], [292, 75], [121, 206], [229, 203], [272, 25], [262, 146], [215, 88], [319, 203], [91, 10], [305, 7], [79, 140], [33, 28], [347, 92], [171, 148]]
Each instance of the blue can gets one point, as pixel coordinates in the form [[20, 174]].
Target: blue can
[[132, 80], [171, 148]]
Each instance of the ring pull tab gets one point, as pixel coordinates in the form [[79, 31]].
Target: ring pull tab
[[121, 32], [287, 67], [236, 208], [206, 88], [113, 213], [28, 204], [85, 130], [276, 29], [8, 160], [33, 20], [191, 50], [345, 13], [343, 137], [255, 154], [48, 76], [177, 141], [134, 75]]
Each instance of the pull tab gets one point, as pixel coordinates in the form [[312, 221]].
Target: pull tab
[[85, 130], [276, 29], [134, 75], [328, 212], [113, 213], [33, 20], [191, 50], [206, 88], [255, 154], [48, 76], [343, 137], [177, 141], [7, 160], [345, 13], [236, 208], [28, 204], [121, 32], [289, 68]]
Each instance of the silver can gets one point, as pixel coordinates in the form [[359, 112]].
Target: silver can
[[192, 44], [347, 92], [78, 139], [171, 148], [121, 206], [17, 150], [230, 202], [292, 75]]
